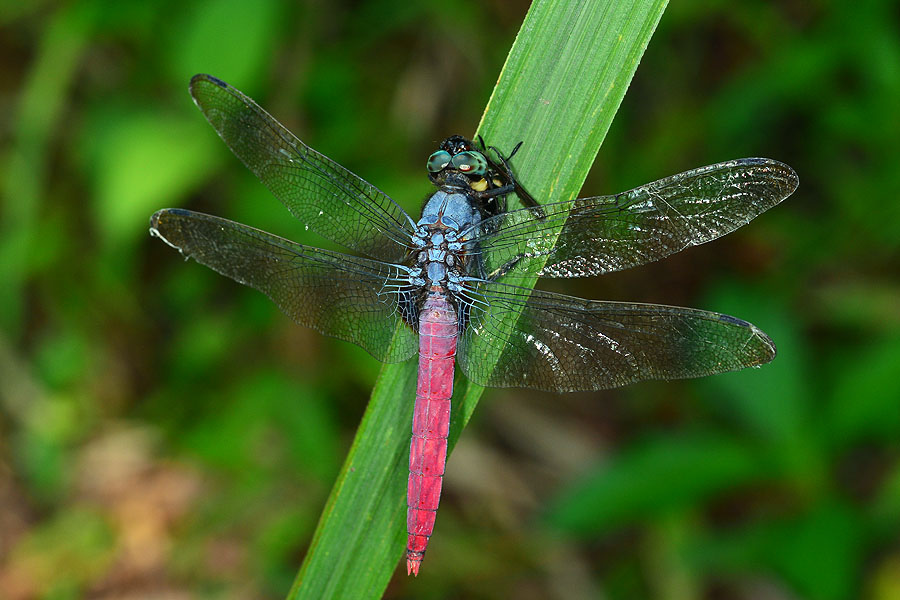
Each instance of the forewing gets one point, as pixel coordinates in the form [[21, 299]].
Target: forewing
[[611, 233], [350, 298], [325, 196], [562, 344]]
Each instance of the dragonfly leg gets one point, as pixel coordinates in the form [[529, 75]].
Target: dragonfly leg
[[495, 192], [526, 198]]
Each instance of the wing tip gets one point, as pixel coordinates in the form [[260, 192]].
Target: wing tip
[[196, 91], [770, 349], [201, 77], [766, 347], [157, 224], [155, 217], [786, 172]]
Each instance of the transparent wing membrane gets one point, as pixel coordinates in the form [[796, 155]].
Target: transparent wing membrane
[[354, 299], [510, 336], [325, 196], [561, 343], [611, 233]]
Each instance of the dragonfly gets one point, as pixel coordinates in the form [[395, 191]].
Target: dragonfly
[[448, 286]]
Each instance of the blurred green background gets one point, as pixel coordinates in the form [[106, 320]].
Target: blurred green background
[[167, 433]]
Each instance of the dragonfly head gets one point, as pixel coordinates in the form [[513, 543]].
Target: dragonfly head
[[457, 163], [456, 144]]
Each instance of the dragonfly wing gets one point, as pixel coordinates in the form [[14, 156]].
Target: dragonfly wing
[[561, 343], [610, 233], [354, 299], [325, 196]]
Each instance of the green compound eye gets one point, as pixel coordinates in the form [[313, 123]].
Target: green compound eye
[[470, 162], [438, 161]]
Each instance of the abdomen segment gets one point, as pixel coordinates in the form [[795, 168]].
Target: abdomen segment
[[438, 332]]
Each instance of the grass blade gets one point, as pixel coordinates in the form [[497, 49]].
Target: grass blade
[[563, 81]]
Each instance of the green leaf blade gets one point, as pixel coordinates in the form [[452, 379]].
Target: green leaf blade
[[563, 81]]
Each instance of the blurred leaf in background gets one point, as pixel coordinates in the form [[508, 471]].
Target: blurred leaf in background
[[164, 431]]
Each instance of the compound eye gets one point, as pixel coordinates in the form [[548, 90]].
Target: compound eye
[[438, 161], [470, 163]]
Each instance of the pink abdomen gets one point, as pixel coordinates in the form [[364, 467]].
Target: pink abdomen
[[438, 331]]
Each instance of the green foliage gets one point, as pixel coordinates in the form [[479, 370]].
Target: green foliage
[[68, 552], [639, 484], [165, 431], [124, 148]]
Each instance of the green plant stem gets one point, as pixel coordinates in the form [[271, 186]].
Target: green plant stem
[[563, 81]]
